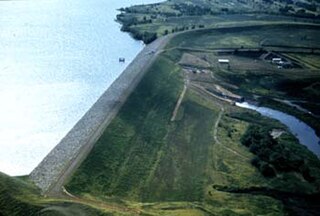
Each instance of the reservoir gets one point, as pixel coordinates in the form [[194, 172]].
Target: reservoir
[[304, 133], [56, 58]]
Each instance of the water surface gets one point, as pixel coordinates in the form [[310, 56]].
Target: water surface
[[305, 134], [56, 58]]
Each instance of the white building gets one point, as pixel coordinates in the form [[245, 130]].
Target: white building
[[224, 61], [276, 60]]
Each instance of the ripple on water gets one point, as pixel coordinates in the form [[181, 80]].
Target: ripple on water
[[56, 58]]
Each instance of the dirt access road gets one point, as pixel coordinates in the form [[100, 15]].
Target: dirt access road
[[60, 164]]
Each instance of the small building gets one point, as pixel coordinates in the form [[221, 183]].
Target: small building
[[284, 64], [276, 60], [223, 61]]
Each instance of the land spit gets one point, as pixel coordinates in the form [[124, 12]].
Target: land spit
[[55, 169]]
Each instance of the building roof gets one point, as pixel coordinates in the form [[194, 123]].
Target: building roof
[[223, 61]]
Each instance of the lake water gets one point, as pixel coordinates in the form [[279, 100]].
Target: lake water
[[56, 58], [305, 134]]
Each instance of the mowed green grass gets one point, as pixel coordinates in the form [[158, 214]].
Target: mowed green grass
[[250, 37], [125, 155], [142, 155], [180, 171]]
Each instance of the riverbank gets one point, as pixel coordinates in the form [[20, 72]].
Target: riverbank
[[303, 132], [61, 162]]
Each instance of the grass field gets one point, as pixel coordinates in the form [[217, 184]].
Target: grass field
[[312, 61], [251, 37]]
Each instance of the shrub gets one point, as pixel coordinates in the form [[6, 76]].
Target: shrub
[[272, 156], [267, 170]]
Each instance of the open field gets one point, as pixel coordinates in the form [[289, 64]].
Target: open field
[[251, 37]]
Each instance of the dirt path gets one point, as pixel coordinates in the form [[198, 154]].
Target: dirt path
[[100, 204], [201, 90], [216, 125], [60, 164], [176, 109]]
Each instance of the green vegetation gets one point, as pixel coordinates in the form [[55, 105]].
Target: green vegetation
[[143, 157], [177, 15], [251, 36], [17, 196], [212, 158], [251, 75], [128, 150], [273, 156], [179, 167], [309, 60], [313, 121], [20, 197]]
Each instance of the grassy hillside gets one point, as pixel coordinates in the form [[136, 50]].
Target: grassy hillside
[[194, 165], [252, 36], [20, 197], [143, 157], [126, 152], [146, 22], [17, 197]]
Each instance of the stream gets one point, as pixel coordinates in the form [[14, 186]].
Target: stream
[[303, 132]]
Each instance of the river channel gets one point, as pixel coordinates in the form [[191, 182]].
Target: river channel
[[304, 133]]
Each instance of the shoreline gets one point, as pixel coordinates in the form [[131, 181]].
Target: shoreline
[[61, 162]]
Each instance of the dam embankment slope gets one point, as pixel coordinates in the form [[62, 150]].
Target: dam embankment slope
[[53, 171]]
